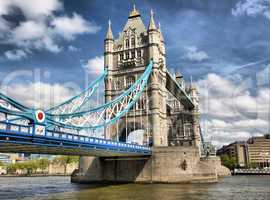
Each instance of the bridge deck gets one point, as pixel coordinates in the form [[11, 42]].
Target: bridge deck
[[58, 143]]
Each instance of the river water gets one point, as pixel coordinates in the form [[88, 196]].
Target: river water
[[60, 188]]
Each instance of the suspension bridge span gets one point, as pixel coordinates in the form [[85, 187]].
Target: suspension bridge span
[[70, 127]]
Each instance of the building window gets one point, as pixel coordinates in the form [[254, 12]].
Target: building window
[[132, 54], [139, 53], [141, 103], [133, 42], [121, 56], [127, 43], [130, 80], [127, 55], [187, 130]]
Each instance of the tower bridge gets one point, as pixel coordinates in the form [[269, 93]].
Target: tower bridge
[[147, 130]]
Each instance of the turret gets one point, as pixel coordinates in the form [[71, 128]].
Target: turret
[[108, 60], [152, 30], [161, 38], [108, 47], [157, 82]]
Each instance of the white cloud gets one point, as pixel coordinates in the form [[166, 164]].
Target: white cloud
[[95, 65], [39, 94], [15, 54], [33, 9], [69, 27], [252, 8], [72, 48], [230, 112], [42, 29], [194, 55]]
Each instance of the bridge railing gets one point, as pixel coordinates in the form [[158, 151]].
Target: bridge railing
[[11, 128], [15, 128]]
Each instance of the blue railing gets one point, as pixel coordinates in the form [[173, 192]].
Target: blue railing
[[13, 130]]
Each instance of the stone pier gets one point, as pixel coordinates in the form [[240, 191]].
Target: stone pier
[[166, 165]]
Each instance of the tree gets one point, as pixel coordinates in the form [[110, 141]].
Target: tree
[[65, 161], [228, 161], [12, 168], [43, 164]]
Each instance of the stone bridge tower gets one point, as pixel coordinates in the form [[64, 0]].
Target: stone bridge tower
[[170, 107], [125, 58]]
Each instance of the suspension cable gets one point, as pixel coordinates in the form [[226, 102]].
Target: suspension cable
[[147, 117], [117, 129], [126, 123], [134, 116]]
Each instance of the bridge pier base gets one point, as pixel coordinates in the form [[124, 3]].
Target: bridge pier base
[[166, 165]]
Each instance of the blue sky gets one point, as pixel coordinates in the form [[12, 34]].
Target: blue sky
[[52, 45]]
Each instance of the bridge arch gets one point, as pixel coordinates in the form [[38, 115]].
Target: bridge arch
[[126, 129]]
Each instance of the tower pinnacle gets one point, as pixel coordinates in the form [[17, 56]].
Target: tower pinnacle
[[109, 35], [161, 35], [152, 25]]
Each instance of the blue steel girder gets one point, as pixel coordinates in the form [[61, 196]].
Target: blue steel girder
[[24, 139]]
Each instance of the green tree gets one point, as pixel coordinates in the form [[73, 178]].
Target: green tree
[[43, 164], [228, 161], [12, 168], [65, 161]]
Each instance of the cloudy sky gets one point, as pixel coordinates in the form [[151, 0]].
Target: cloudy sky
[[53, 48]]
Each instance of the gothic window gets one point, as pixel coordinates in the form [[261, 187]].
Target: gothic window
[[187, 130], [117, 85], [129, 81], [127, 55], [133, 42], [139, 53], [127, 43], [141, 104], [132, 54], [121, 56]]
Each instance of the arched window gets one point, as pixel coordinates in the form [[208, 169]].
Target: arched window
[[121, 56], [127, 55], [133, 42], [139, 53], [130, 80], [127, 43], [132, 54]]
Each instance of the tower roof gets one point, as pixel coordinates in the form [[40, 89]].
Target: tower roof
[[134, 24], [134, 12], [109, 34], [152, 25]]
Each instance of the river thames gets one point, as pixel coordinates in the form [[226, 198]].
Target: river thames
[[60, 188]]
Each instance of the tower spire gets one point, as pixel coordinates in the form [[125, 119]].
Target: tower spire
[[134, 12], [152, 25], [109, 35], [159, 30]]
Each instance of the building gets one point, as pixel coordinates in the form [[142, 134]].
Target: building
[[255, 152], [9, 158], [126, 58], [237, 151], [258, 149]]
